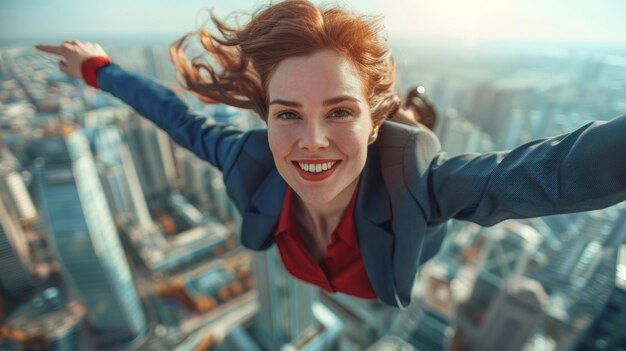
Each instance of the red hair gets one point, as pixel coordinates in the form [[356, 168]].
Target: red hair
[[247, 57]]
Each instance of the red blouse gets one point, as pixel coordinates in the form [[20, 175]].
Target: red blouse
[[341, 269]]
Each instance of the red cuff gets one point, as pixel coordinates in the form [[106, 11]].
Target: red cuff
[[89, 69]]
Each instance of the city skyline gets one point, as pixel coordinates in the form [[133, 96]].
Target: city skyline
[[558, 279]]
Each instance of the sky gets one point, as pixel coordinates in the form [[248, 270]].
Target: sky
[[472, 20]]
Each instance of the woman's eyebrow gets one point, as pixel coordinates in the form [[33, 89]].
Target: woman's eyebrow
[[330, 101]]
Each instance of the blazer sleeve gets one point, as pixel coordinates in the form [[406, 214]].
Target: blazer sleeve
[[578, 171], [215, 143]]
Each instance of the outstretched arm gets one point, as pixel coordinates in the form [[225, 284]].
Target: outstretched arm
[[579, 171], [209, 141]]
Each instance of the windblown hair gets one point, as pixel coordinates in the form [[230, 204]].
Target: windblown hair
[[246, 57]]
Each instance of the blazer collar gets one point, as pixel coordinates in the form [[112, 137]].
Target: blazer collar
[[260, 221], [269, 197], [373, 200], [373, 222]]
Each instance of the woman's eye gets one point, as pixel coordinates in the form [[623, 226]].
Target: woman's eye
[[341, 113], [287, 115]]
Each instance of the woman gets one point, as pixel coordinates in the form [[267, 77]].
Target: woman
[[355, 203]]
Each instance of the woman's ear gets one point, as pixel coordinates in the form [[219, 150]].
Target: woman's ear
[[373, 134]]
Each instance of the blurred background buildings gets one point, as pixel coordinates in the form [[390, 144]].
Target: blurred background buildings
[[114, 238]]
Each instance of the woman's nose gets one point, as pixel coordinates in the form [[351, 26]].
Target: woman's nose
[[313, 136]]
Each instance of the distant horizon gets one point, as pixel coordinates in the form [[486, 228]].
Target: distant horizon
[[167, 38]]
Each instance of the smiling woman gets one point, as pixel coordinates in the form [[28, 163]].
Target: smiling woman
[[354, 202]]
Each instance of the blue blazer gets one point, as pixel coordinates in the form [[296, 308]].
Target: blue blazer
[[409, 189]]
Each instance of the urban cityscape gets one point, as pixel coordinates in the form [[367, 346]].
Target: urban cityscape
[[112, 237]]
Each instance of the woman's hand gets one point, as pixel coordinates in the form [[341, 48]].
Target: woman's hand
[[73, 53]]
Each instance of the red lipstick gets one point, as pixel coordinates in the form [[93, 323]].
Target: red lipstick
[[316, 177]]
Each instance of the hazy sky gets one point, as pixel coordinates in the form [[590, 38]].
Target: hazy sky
[[583, 20]]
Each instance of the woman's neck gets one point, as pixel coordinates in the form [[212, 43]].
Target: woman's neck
[[317, 222]]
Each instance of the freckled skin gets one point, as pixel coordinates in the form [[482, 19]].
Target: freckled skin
[[312, 131]]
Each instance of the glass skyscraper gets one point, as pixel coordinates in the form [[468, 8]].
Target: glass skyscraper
[[83, 235]]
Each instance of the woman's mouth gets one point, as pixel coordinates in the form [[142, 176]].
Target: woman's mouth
[[316, 170]]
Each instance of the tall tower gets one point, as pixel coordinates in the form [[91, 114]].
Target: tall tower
[[152, 154], [16, 210], [13, 191], [426, 323], [285, 303], [511, 318], [607, 330], [14, 258], [119, 176], [83, 236]]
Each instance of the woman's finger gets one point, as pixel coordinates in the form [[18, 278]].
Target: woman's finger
[[51, 49]]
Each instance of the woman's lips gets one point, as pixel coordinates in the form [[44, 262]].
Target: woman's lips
[[316, 177]]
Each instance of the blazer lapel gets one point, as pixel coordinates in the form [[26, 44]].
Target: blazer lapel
[[260, 221], [373, 222]]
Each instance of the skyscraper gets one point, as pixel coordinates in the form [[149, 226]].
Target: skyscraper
[[285, 303], [510, 318], [426, 323], [13, 191], [84, 237], [152, 154], [607, 331], [14, 257]]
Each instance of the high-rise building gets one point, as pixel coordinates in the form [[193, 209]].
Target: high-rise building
[[285, 303], [574, 305], [458, 135], [158, 63], [84, 237], [15, 277], [184, 210], [364, 321], [427, 329], [580, 249], [511, 317], [116, 190], [152, 154], [137, 198], [500, 281], [158, 153], [508, 251], [597, 225], [15, 194], [618, 236], [321, 336], [607, 330], [426, 323]]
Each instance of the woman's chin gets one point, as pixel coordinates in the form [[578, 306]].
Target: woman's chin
[[315, 197]]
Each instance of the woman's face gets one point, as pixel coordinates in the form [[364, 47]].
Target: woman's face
[[319, 126]]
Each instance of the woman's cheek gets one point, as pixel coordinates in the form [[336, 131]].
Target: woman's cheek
[[274, 140]]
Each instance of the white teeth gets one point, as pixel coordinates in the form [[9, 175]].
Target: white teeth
[[317, 167]]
